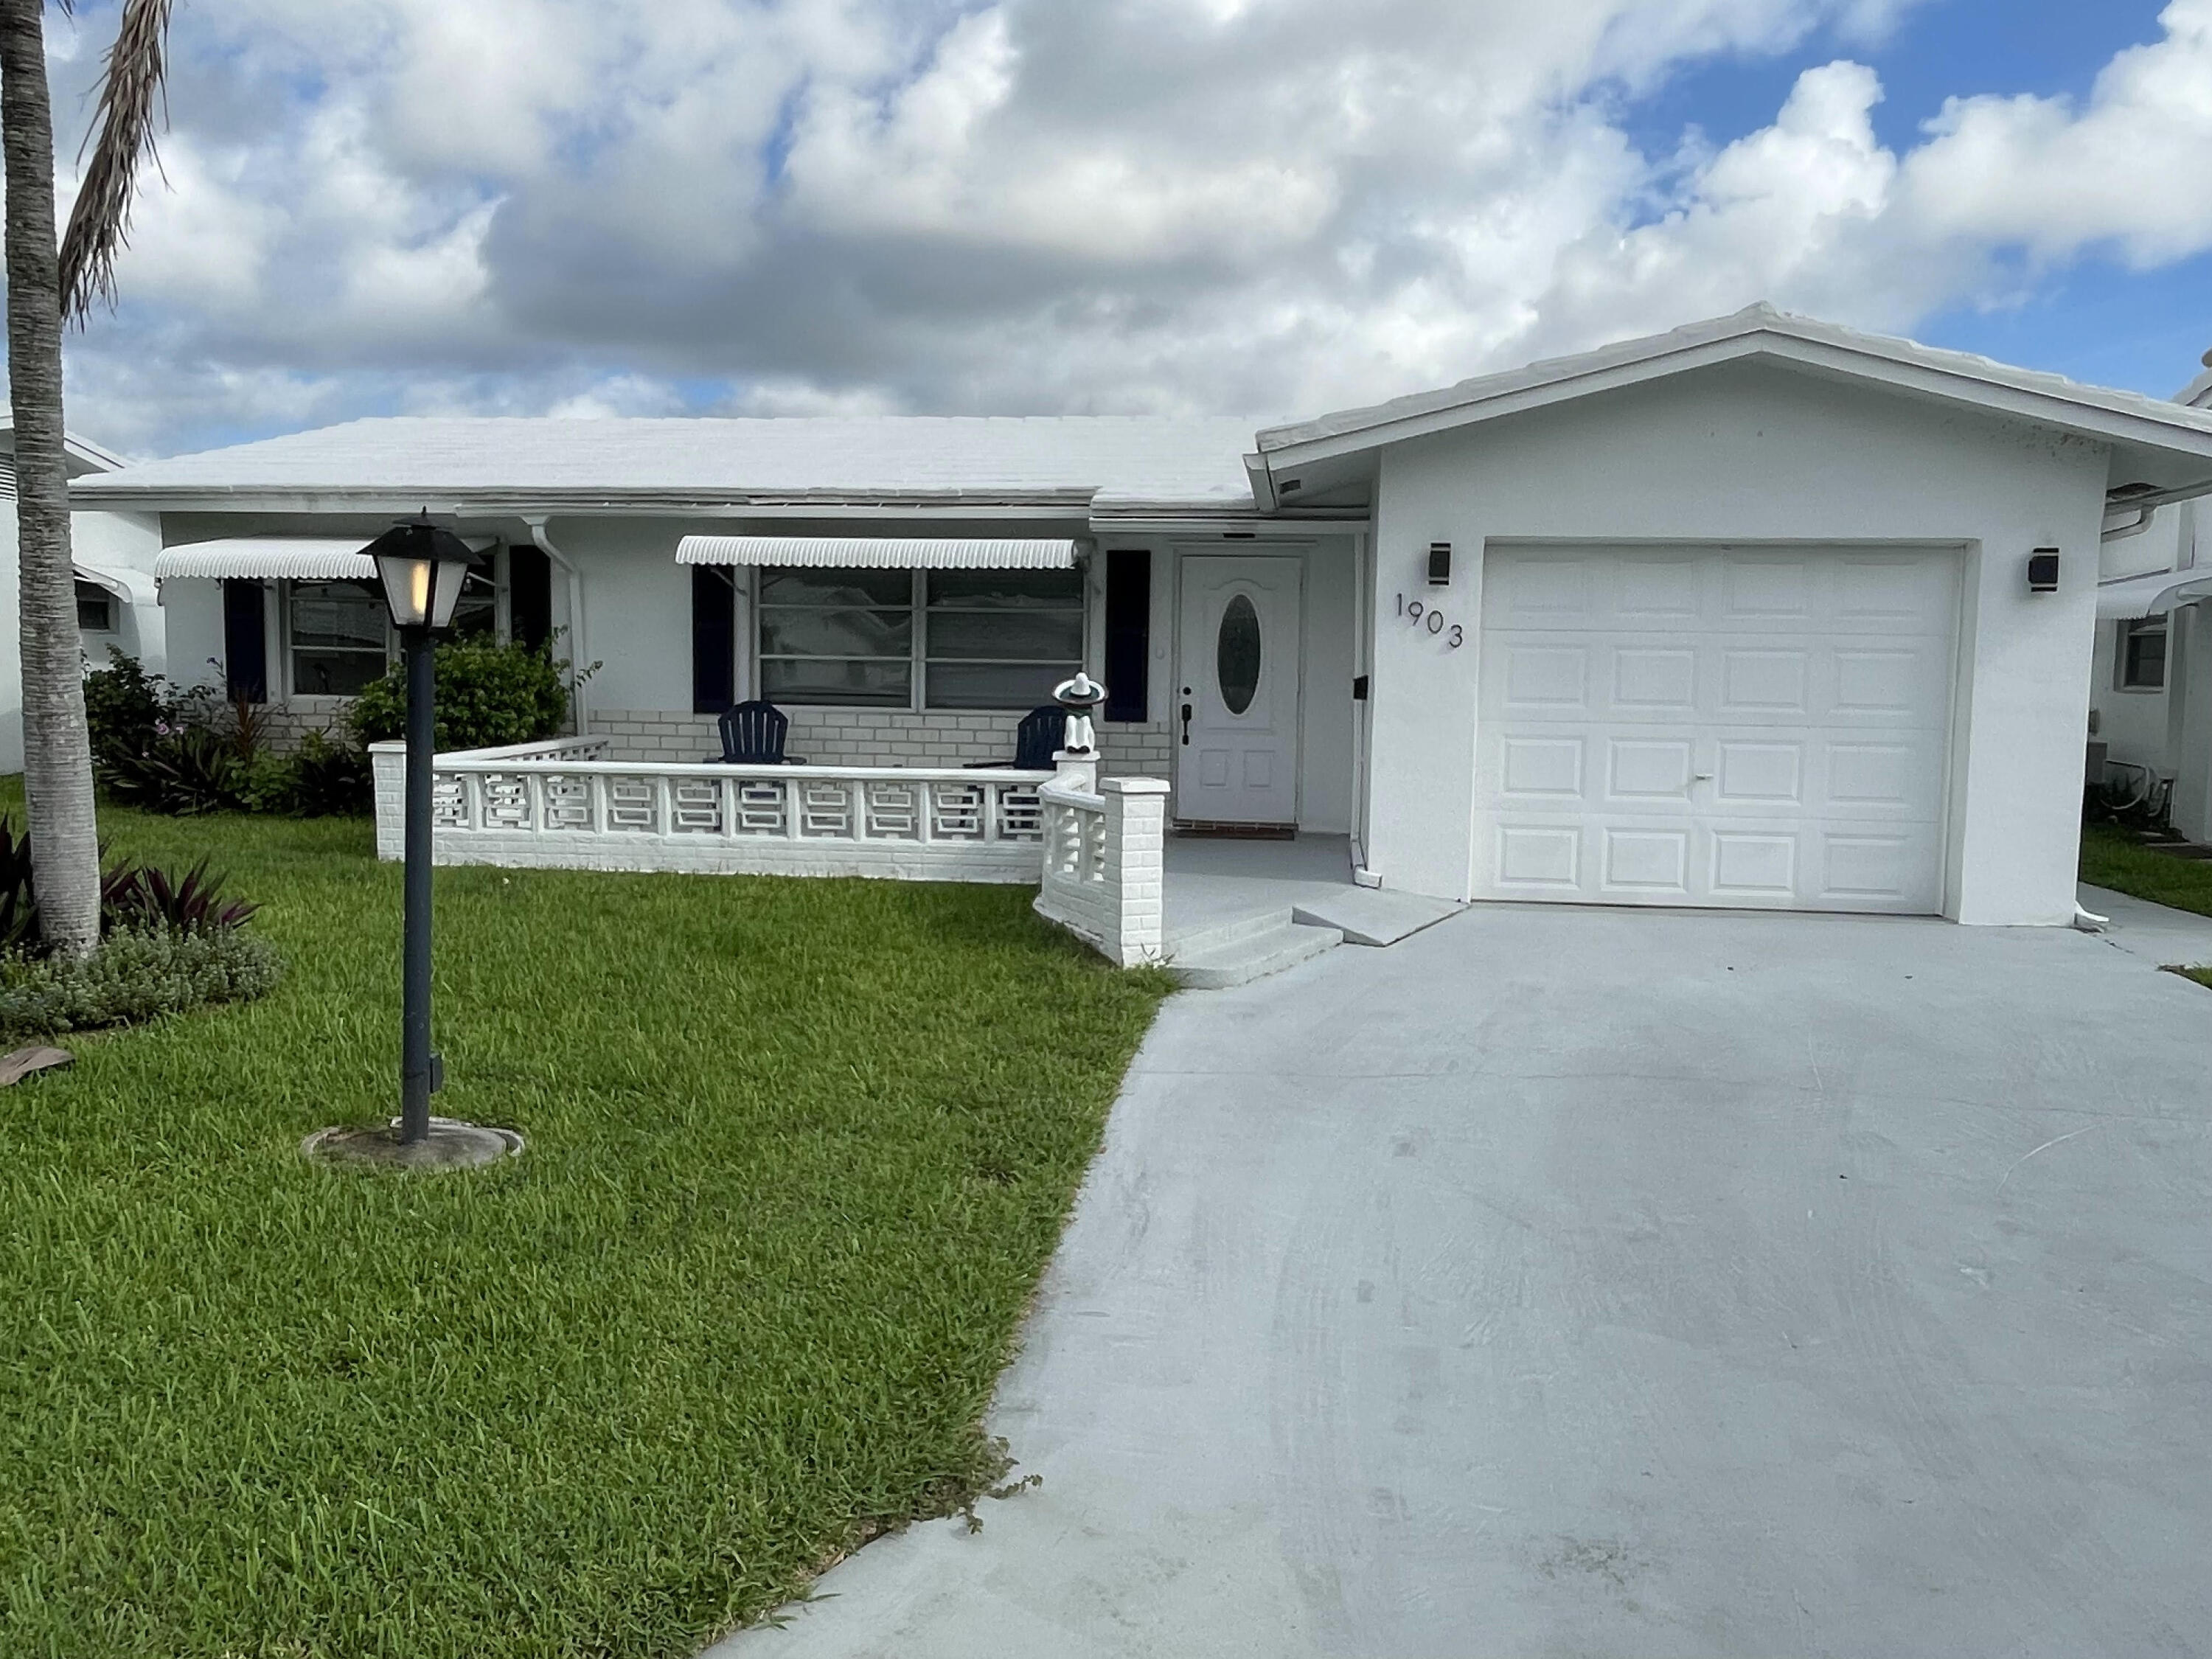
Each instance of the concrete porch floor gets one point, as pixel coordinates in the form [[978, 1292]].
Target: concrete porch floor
[[1215, 885]]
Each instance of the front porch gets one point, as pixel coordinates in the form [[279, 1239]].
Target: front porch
[[1220, 911], [1235, 910]]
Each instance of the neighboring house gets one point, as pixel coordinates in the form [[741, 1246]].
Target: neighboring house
[[116, 600], [1746, 615], [2151, 732]]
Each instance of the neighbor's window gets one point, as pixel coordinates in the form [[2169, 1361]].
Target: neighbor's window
[[915, 639], [335, 632], [96, 608], [2143, 654], [1000, 638]]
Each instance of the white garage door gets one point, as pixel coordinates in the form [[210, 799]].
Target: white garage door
[[1759, 727]]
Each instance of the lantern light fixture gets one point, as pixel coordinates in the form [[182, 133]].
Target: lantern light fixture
[[422, 566]]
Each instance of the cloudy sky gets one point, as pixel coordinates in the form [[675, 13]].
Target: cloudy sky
[[1263, 207]]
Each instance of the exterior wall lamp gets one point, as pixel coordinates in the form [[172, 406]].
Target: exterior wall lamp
[[2043, 570], [1440, 564]]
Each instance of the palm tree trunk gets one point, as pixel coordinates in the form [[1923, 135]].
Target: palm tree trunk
[[57, 747]]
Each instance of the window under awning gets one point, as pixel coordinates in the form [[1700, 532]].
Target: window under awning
[[2153, 595], [132, 587], [262, 558], [876, 552]]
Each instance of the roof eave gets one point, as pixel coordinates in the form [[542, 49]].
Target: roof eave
[[534, 503], [1853, 362]]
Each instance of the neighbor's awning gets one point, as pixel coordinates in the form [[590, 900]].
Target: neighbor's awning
[[132, 587], [302, 558], [877, 553], [2152, 595], [261, 558]]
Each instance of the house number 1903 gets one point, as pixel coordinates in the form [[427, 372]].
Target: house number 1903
[[1420, 615]]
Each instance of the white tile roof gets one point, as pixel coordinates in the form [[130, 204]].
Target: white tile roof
[[1152, 459], [1967, 377]]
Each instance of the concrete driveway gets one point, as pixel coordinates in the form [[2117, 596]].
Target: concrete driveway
[[1587, 1282]]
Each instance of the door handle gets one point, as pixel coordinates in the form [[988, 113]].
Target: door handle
[[1186, 726]]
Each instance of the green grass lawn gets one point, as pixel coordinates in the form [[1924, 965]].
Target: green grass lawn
[[2115, 859], [798, 1152]]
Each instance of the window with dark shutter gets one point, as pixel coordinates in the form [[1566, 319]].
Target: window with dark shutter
[[244, 641], [1128, 632], [714, 639]]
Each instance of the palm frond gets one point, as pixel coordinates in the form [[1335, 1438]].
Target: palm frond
[[100, 223]]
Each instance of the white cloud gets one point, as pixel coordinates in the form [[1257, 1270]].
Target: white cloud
[[1263, 205]]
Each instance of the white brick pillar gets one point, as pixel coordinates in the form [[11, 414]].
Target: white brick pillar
[[387, 762], [1075, 771], [1136, 855]]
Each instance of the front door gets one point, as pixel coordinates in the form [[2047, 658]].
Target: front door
[[1236, 713]]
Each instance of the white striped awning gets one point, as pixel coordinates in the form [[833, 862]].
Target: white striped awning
[[264, 558], [876, 552], [132, 587], [302, 558], [2153, 595]]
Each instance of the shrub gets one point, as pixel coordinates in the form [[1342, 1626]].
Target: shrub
[[328, 779], [184, 752], [123, 705], [181, 771], [137, 974], [488, 694], [146, 896], [131, 896]]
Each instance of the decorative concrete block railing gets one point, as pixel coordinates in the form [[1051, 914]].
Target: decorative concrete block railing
[[1105, 852], [558, 804]]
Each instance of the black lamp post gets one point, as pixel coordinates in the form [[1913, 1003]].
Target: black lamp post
[[422, 566]]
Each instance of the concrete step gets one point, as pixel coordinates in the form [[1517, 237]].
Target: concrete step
[[1250, 956], [1207, 937]]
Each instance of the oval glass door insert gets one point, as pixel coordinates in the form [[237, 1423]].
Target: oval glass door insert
[[1236, 654]]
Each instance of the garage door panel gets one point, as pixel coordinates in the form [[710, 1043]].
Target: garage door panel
[[1539, 677], [1644, 771], [1900, 589], [1654, 681], [1543, 769], [1650, 864], [1765, 729], [1774, 590], [1537, 861], [1763, 681]]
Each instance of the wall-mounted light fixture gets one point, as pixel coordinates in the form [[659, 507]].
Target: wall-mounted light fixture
[[2043, 570], [1440, 564]]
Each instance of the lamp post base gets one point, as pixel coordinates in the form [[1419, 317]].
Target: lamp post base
[[450, 1144]]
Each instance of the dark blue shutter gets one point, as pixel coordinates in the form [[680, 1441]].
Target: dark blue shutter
[[530, 596], [244, 641], [1128, 632], [714, 639]]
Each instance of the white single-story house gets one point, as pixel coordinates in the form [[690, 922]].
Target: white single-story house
[[117, 602], [2150, 728], [1763, 612]]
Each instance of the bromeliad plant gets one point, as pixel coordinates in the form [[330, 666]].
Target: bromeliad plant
[[168, 942], [133, 898]]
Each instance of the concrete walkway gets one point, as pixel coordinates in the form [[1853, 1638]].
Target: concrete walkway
[[1566, 1281]]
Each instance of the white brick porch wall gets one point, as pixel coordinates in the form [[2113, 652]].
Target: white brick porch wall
[[1104, 862]]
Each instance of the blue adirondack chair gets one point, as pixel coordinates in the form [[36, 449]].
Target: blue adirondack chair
[[752, 735], [1037, 740]]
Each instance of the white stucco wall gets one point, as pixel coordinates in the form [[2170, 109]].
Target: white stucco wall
[[111, 541], [2131, 723], [1746, 454]]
